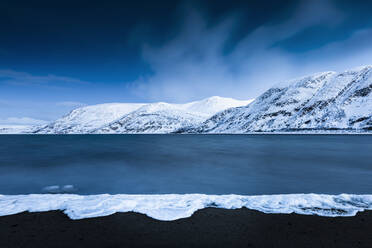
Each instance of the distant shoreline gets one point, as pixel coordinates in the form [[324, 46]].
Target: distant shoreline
[[210, 227], [248, 133]]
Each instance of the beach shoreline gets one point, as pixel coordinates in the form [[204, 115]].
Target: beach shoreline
[[209, 227]]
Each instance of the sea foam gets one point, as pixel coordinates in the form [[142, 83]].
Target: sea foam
[[169, 207]]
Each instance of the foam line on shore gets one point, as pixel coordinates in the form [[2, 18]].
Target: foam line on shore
[[169, 207]]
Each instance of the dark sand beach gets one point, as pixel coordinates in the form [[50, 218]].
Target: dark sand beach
[[209, 227]]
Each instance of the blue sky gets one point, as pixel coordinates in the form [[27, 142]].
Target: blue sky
[[59, 55]]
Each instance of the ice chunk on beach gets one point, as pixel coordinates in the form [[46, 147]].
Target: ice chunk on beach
[[56, 189]]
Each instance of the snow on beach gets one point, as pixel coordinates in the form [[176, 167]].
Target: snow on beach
[[169, 207]]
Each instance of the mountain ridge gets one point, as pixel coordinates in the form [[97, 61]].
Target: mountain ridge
[[322, 101]]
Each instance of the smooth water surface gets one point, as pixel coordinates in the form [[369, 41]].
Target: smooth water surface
[[210, 164]]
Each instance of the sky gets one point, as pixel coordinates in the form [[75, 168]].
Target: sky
[[59, 55]]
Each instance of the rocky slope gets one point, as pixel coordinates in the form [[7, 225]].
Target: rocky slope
[[321, 102]]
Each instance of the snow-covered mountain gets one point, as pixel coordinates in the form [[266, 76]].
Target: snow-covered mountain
[[86, 119], [167, 118], [153, 118], [138, 118], [328, 101], [324, 101]]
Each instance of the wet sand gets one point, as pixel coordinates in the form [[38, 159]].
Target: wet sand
[[209, 227]]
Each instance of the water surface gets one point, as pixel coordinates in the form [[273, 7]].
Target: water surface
[[209, 164]]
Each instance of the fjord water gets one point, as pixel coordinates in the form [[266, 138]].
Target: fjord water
[[209, 164]]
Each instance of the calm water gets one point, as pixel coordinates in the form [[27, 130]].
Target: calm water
[[211, 164]]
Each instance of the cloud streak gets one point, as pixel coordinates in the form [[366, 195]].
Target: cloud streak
[[194, 64], [71, 104], [21, 121], [23, 78]]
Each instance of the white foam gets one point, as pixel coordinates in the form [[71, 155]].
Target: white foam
[[173, 206]]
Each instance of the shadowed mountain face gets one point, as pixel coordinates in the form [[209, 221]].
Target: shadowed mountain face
[[325, 101]]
